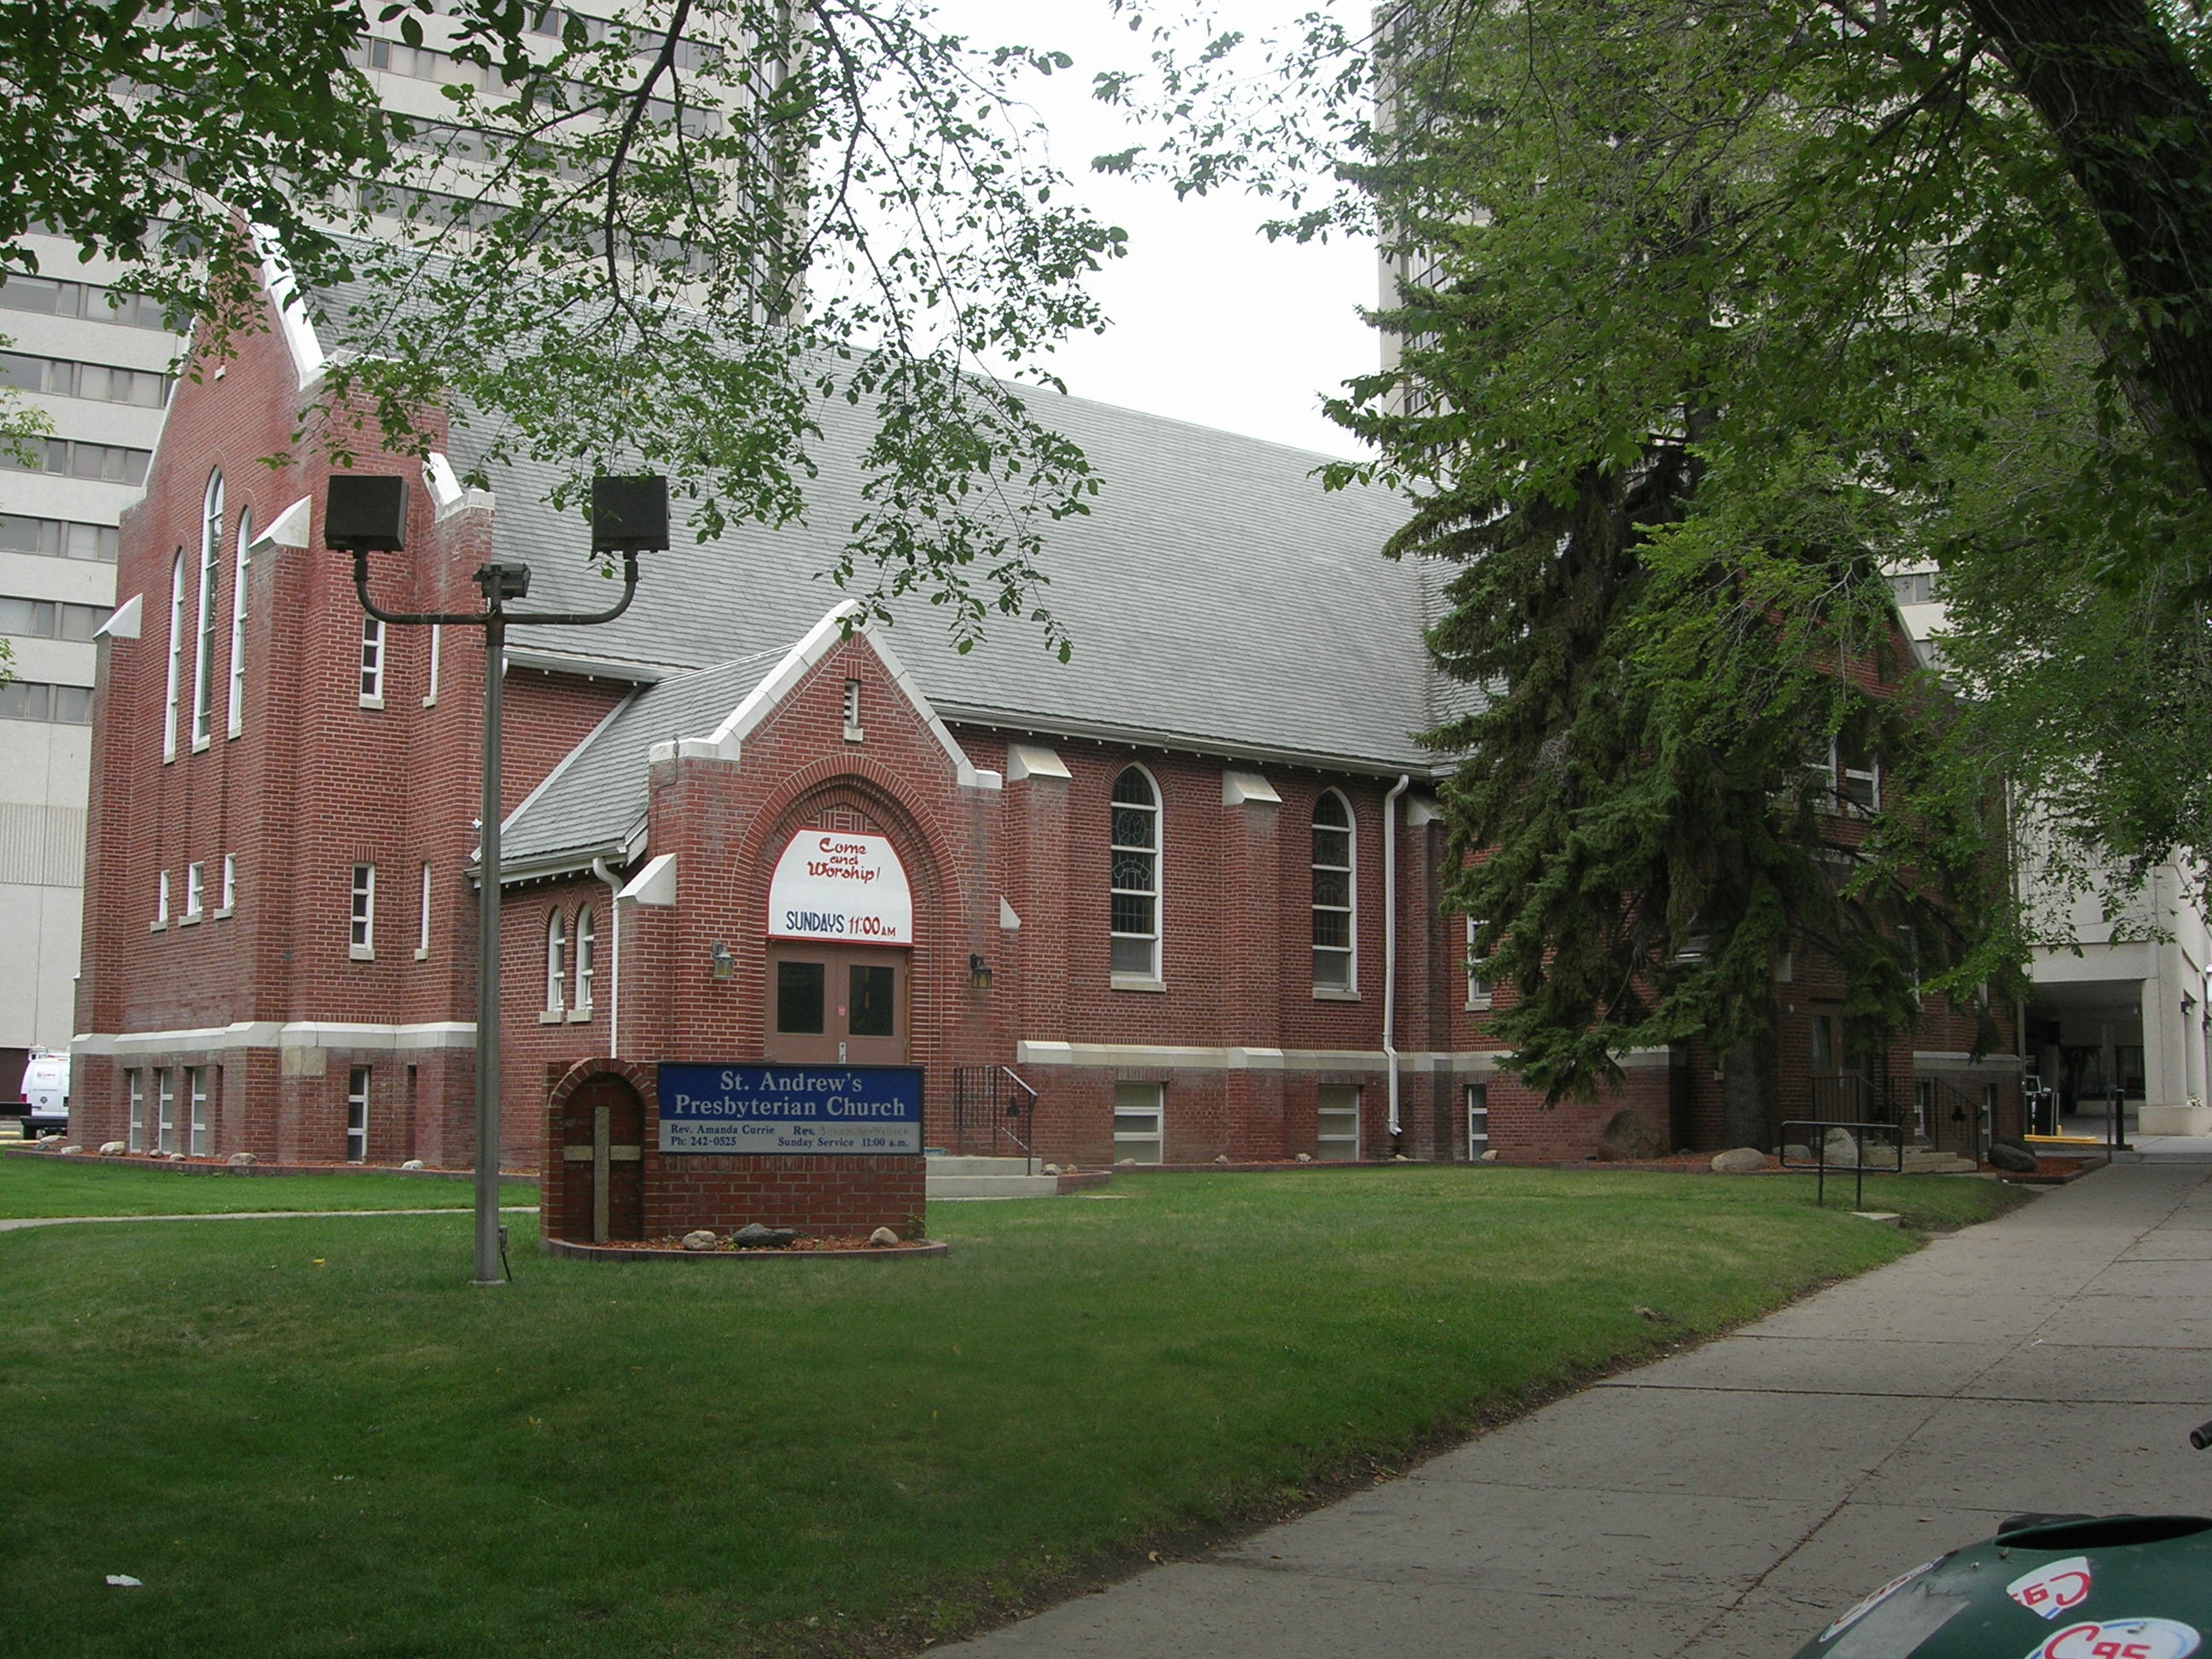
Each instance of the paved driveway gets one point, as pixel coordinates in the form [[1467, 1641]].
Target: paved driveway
[[1724, 1504]]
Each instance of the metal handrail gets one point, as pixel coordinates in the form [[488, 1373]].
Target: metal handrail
[[1892, 1133]]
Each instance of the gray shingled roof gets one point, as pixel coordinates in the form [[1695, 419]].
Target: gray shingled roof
[[596, 796], [1216, 594]]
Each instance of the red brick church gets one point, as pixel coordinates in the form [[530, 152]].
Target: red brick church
[[1182, 890]]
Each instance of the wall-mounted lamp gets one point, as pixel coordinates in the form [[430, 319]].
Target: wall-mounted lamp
[[979, 972], [725, 964]]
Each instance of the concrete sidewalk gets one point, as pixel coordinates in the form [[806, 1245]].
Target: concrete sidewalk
[[1726, 1502]]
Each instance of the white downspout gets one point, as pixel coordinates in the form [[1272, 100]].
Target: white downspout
[[614, 906], [1390, 944]]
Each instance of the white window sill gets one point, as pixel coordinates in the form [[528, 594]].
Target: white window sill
[[223, 914], [159, 927], [199, 743], [235, 732], [551, 1016], [372, 702], [1478, 1004], [361, 952], [853, 734], [430, 701], [579, 1016], [421, 953], [1334, 993], [190, 919], [1135, 982]]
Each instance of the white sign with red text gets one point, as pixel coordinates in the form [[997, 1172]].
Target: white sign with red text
[[2052, 1587], [2122, 1638], [843, 885]]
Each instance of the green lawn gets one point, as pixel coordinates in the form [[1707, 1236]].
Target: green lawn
[[312, 1437], [59, 1186]]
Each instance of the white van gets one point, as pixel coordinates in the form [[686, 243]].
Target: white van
[[46, 1092]]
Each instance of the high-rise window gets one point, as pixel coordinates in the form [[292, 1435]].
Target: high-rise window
[[423, 923], [1333, 894], [1135, 855], [134, 1081], [195, 890], [587, 939], [229, 884], [165, 1109]]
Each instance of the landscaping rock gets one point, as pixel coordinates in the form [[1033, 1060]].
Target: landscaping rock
[[73, 1147], [1052, 1169], [754, 1237], [1795, 1154], [1842, 1148], [243, 1160], [111, 1148], [174, 1157], [700, 1239], [414, 1164], [1488, 1157], [2015, 1160], [1221, 1158], [1305, 1157], [1739, 1160], [1631, 1138], [882, 1235]]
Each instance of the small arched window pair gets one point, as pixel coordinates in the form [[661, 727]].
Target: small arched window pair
[[558, 962]]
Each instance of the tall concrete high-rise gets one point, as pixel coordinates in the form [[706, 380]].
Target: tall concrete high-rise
[[98, 362]]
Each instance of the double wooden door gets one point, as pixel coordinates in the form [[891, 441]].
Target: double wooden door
[[836, 1005]]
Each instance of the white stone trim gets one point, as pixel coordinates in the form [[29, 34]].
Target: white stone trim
[[655, 885], [270, 1034], [965, 772], [308, 358], [124, 622], [1477, 1062], [1008, 922], [437, 477], [727, 741], [289, 528], [1031, 760], [1241, 788]]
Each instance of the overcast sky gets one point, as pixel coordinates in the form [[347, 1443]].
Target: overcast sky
[[1212, 322]]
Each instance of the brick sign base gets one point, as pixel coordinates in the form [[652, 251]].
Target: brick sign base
[[655, 1195]]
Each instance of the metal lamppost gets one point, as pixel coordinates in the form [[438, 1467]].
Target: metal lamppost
[[363, 515]]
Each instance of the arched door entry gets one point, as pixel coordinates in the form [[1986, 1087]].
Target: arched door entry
[[603, 1158], [835, 1006]]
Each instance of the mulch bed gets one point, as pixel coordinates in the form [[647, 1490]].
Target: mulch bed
[[670, 1249]]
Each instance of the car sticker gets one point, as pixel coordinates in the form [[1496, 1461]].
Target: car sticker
[[2054, 1587], [2122, 1638]]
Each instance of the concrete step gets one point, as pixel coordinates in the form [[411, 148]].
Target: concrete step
[[952, 1164], [1932, 1163], [954, 1189]]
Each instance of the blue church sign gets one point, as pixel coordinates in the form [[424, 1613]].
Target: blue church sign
[[756, 1110]]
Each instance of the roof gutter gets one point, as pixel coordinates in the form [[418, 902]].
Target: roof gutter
[[1390, 946], [614, 905]]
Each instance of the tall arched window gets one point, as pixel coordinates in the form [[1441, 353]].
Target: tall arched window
[[1136, 879], [211, 578], [176, 656], [587, 938], [1333, 894], [237, 723], [557, 962]]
